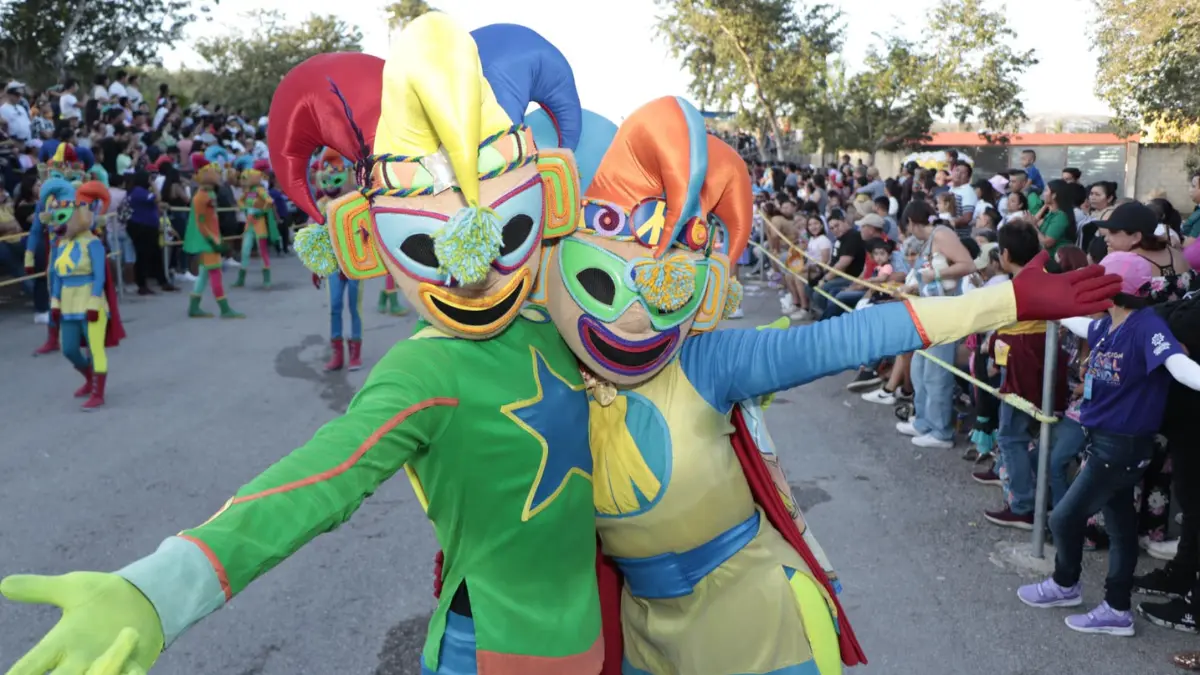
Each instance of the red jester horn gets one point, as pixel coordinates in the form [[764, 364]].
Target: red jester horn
[[727, 193], [328, 100]]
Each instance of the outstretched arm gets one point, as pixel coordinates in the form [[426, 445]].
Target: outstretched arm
[[313, 490], [735, 365]]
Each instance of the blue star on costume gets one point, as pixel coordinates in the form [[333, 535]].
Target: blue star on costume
[[551, 416]]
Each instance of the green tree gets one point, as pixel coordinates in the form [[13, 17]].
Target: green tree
[[401, 12], [42, 40], [1149, 63], [761, 57], [891, 104], [977, 67], [244, 68]]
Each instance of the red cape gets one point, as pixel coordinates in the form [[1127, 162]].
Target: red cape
[[762, 486], [116, 329]]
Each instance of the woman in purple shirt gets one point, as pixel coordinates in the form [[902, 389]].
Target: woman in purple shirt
[[1133, 359]]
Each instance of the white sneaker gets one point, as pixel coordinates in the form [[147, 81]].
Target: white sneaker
[[187, 276], [1163, 550], [230, 263], [786, 306], [881, 396], [800, 315], [927, 441], [42, 318], [737, 313], [907, 429]]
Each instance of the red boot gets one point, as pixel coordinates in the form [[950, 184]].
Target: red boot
[[86, 389], [355, 355], [337, 360], [97, 398], [51, 344]]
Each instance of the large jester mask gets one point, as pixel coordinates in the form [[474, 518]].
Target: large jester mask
[[455, 198], [669, 207], [70, 211]]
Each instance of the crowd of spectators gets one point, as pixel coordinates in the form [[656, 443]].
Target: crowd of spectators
[[143, 149], [1120, 464]]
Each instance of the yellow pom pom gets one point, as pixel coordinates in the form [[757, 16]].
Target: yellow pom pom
[[315, 248], [667, 283]]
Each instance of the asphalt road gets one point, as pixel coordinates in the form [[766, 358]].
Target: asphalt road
[[197, 407]]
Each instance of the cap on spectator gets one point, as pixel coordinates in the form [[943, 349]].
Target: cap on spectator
[[1134, 270], [873, 220], [1132, 217], [14, 86], [999, 182], [985, 255]]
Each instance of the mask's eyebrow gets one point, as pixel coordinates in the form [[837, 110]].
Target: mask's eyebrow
[[517, 190]]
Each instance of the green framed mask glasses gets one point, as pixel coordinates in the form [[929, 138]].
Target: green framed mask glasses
[[602, 284]]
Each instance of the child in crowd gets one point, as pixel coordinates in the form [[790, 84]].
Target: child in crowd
[[1018, 208], [819, 249], [1134, 358], [987, 406], [1018, 352], [946, 207]]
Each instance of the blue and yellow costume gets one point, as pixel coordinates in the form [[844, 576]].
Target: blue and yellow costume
[[79, 283], [69, 164], [716, 582]]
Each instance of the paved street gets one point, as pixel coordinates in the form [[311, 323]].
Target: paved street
[[196, 407]]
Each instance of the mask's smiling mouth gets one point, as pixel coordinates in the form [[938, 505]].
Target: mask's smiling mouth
[[479, 315], [627, 357]]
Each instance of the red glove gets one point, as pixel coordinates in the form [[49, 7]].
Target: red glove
[[56, 317], [93, 316], [316, 281], [1042, 296], [437, 573]]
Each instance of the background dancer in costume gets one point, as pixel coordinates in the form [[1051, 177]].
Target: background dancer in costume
[[80, 285], [335, 178], [203, 238], [485, 410], [63, 163], [681, 489], [261, 224]]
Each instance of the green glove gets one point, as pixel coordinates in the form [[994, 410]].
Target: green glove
[[107, 627]]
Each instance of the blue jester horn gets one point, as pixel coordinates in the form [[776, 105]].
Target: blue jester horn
[[522, 67]]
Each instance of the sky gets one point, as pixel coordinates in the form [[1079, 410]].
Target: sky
[[620, 63]]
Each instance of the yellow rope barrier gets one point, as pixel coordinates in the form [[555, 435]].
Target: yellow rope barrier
[[14, 237], [39, 275], [1012, 399]]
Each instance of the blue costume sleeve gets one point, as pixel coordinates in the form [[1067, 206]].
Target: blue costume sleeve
[[99, 267], [727, 366]]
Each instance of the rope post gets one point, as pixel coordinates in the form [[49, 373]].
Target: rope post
[[114, 245], [1043, 470]]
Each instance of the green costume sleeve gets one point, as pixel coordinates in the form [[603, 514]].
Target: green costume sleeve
[[405, 405]]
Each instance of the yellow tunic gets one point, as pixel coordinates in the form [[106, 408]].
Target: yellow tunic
[[77, 272], [667, 481]]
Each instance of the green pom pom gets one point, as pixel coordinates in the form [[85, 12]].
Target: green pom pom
[[467, 245], [315, 248], [668, 283], [733, 298]]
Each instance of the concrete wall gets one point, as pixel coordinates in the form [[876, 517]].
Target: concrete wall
[[1160, 169]]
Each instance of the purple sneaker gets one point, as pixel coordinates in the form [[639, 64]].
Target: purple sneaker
[[1049, 594], [1103, 620]]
